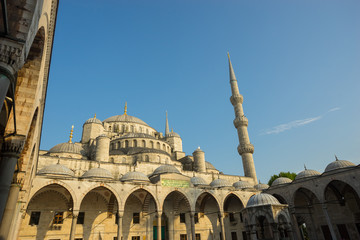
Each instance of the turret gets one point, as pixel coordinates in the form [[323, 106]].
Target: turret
[[199, 160], [174, 140], [102, 148], [91, 129], [245, 148]]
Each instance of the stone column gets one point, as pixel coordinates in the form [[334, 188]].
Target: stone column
[[4, 87], [75, 214], [159, 225], [253, 232], [324, 207], [192, 222], [10, 152], [275, 231], [8, 224], [221, 220], [296, 233], [119, 220]]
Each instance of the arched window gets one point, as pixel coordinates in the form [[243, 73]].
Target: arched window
[[158, 159], [132, 128], [143, 143], [146, 158], [151, 144], [164, 147], [135, 143], [109, 128], [158, 145], [126, 143], [118, 145]]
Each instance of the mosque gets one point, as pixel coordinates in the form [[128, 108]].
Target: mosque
[[127, 180]]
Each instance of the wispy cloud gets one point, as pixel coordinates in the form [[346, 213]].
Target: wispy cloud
[[294, 124]]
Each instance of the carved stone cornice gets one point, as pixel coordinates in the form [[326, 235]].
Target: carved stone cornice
[[245, 148], [235, 99], [12, 146], [240, 121]]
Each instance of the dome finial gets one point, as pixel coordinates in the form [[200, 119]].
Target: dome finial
[[95, 116], [71, 134], [305, 167], [58, 160], [125, 109], [336, 158]]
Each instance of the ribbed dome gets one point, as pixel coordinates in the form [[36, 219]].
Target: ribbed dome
[[125, 118], [165, 169], [307, 173], [56, 169], [262, 199], [137, 135], [66, 148], [280, 181], [218, 183], [242, 185], [134, 176], [209, 166], [196, 181], [261, 186], [93, 120], [338, 164], [98, 173]]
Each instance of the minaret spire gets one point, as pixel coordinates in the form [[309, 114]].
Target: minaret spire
[[245, 148], [167, 125], [71, 134], [125, 109]]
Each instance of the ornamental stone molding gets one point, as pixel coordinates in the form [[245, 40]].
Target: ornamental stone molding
[[235, 99], [245, 148], [240, 121], [11, 57], [12, 146]]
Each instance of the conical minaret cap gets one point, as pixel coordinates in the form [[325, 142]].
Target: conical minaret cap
[[231, 70]]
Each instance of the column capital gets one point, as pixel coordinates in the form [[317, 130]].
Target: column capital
[[12, 145], [11, 57], [120, 213]]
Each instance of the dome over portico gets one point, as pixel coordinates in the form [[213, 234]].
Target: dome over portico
[[338, 164], [262, 199]]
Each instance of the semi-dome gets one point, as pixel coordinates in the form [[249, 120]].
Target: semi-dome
[[218, 183], [98, 173], [242, 185], [134, 177], [56, 169], [261, 186], [307, 173], [280, 181], [196, 181], [66, 147], [262, 199], [165, 169], [93, 120], [209, 166], [125, 118], [338, 164]]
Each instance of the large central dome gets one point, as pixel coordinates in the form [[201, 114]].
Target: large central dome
[[125, 118]]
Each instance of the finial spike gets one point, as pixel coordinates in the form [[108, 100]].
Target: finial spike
[[336, 158], [71, 134], [305, 167], [95, 116], [58, 162], [125, 109], [231, 70]]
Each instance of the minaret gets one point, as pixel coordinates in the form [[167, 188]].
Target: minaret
[[245, 148], [167, 131]]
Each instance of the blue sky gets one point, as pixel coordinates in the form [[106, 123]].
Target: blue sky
[[297, 65]]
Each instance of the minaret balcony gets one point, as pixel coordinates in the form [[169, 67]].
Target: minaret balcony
[[235, 99], [245, 148], [240, 121]]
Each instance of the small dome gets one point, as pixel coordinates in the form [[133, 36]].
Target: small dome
[[98, 173], [125, 118], [209, 166], [262, 199], [165, 169], [338, 164], [66, 148], [198, 150], [172, 134], [261, 186], [134, 176], [218, 183], [280, 181], [242, 185], [307, 173], [196, 181], [93, 120], [56, 169]]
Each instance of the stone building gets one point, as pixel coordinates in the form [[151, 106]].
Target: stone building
[[26, 40], [126, 180]]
